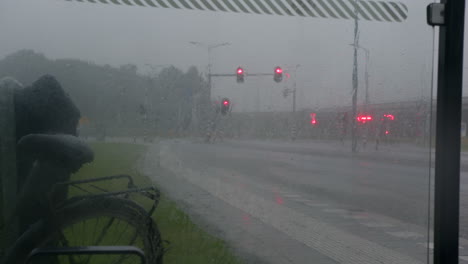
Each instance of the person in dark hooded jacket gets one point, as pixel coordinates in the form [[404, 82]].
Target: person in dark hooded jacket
[[41, 108]]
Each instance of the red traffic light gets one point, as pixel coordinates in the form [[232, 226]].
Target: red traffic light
[[278, 74], [240, 75], [225, 106], [364, 118], [313, 119]]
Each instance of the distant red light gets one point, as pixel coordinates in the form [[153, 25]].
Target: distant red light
[[364, 119], [389, 117], [225, 102], [313, 119], [240, 71], [387, 132], [279, 70]]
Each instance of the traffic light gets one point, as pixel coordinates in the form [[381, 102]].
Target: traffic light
[[364, 118], [313, 119], [240, 75], [278, 74], [389, 117], [225, 105]]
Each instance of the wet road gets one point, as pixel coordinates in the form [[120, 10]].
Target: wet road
[[301, 201]]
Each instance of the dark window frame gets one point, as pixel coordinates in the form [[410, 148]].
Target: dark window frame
[[447, 162]]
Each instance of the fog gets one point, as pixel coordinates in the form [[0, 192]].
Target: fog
[[399, 67], [326, 183]]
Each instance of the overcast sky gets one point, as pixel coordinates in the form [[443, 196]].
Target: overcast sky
[[400, 53]]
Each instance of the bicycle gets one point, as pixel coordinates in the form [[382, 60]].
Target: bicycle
[[107, 218]]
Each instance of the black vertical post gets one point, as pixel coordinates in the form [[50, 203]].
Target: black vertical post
[[447, 163], [8, 169]]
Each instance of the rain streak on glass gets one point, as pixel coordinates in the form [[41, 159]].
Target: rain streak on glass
[[217, 131]]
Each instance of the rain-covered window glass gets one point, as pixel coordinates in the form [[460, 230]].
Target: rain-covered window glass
[[463, 253], [217, 131]]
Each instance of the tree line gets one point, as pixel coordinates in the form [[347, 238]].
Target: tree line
[[120, 100]]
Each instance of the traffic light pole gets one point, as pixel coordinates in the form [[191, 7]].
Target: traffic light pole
[[209, 72], [355, 81], [295, 86], [294, 98], [367, 77], [209, 81]]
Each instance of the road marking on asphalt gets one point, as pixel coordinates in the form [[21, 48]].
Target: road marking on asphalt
[[302, 200], [341, 246], [335, 211], [376, 224], [312, 204], [357, 217], [291, 196], [405, 234]]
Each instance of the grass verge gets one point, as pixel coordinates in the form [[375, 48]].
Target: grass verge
[[187, 242]]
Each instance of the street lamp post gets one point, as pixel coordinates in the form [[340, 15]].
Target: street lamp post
[[366, 74], [209, 48]]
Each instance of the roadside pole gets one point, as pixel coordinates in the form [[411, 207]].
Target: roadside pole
[[355, 81]]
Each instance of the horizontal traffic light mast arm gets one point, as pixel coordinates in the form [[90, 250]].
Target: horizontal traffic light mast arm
[[260, 74], [246, 74], [222, 74]]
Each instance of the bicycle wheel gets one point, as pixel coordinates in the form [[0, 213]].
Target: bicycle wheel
[[99, 221]]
